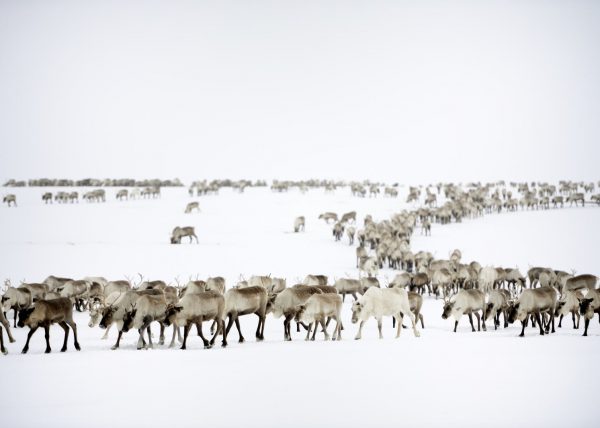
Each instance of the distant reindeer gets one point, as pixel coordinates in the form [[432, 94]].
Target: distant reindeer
[[192, 206], [47, 197], [576, 197], [426, 227], [328, 216], [181, 232], [10, 199], [349, 216], [299, 224], [122, 194]]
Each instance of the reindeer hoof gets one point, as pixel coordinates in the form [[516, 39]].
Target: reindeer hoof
[[47, 351], [63, 350], [417, 334], [241, 340], [11, 340], [5, 352]]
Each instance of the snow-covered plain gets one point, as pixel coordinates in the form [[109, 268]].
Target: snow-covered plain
[[491, 378]]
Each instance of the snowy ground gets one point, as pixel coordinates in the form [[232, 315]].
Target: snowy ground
[[442, 378]]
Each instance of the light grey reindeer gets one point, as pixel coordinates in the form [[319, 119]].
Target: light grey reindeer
[[181, 232], [10, 199]]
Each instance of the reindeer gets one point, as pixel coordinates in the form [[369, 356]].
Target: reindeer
[[45, 313], [576, 197], [348, 216], [338, 231], [38, 291], [47, 197], [299, 224], [194, 309], [465, 302], [328, 216], [192, 206], [534, 301], [319, 308], [10, 199], [288, 303], [141, 313], [426, 227], [122, 194], [4, 322], [350, 231], [16, 299], [181, 232], [244, 301]]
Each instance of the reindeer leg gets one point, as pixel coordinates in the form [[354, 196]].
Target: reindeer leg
[[6, 325], [15, 321], [257, 334], [561, 318], [286, 327], [73, 326], [324, 325], [116, 345], [141, 342], [106, 333], [161, 340], [215, 334], [379, 325], [308, 330], [471, 321], [31, 331], [455, 325], [237, 325], [173, 337], [226, 332], [150, 345], [262, 328], [204, 340], [2, 348], [540, 322], [47, 336], [186, 331], [414, 320], [359, 334], [65, 327]]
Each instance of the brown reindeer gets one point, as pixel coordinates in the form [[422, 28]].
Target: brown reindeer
[[45, 313]]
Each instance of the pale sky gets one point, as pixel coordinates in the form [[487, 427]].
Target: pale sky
[[408, 91]]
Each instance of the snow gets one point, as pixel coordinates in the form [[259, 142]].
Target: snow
[[491, 378]]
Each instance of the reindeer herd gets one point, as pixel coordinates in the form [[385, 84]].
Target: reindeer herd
[[488, 293], [537, 299]]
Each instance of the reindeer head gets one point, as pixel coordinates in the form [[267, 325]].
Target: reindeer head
[[24, 315], [448, 307], [129, 317], [171, 314], [357, 308], [107, 316]]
